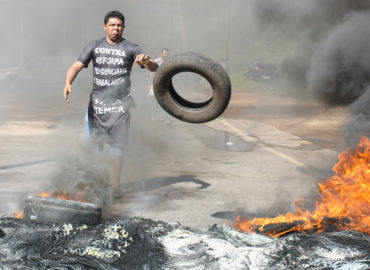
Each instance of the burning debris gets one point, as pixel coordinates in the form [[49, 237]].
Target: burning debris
[[64, 195], [60, 206], [344, 204], [144, 244], [60, 210]]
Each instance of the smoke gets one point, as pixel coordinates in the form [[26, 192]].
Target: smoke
[[84, 174], [340, 66], [358, 124], [331, 56], [340, 72]]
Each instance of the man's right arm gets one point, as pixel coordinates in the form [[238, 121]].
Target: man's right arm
[[71, 75]]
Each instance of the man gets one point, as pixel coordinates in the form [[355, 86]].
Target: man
[[159, 61], [154, 111], [110, 101]]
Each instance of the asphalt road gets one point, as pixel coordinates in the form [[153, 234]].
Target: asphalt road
[[198, 175]]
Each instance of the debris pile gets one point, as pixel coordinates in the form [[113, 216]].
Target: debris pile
[[138, 243]]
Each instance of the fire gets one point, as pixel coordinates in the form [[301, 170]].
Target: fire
[[44, 194], [344, 203], [58, 195], [18, 214], [67, 196], [64, 195]]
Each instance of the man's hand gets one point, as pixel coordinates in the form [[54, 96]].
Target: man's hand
[[67, 91], [142, 59], [71, 75]]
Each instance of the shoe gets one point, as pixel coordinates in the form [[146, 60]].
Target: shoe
[[117, 194]]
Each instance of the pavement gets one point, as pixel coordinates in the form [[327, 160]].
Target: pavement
[[225, 168], [197, 175]]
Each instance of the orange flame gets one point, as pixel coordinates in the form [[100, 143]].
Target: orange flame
[[18, 214], [44, 194], [344, 204], [67, 196]]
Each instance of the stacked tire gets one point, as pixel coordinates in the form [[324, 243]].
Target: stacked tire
[[61, 211]]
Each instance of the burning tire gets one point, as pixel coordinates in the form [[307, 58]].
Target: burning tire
[[61, 211], [181, 108]]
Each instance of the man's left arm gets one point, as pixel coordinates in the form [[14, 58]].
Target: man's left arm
[[145, 61]]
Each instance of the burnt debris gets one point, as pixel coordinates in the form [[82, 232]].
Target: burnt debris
[[120, 244], [137, 243]]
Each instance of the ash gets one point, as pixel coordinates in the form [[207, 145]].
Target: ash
[[137, 243]]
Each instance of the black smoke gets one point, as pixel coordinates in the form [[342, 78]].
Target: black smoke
[[358, 124], [331, 58], [340, 73], [340, 66]]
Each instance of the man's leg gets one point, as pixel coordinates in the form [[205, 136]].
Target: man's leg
[[117, 169], [117, 164], [119, 139], [92, 140]]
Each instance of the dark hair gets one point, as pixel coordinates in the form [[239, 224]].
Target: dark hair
[[165, 49], [114, 14]]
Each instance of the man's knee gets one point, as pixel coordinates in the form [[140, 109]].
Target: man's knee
[[116, 151]]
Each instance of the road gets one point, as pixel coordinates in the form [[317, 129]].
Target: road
[[258, 158]]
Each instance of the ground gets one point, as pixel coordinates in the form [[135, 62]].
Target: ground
[[301, 116], [265, 151]]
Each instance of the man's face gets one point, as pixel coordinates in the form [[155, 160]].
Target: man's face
[[114, 29], [164, 53]]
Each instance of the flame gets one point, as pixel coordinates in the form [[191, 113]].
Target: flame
[[44, 194], [344, 203], [67, 196], [18, 214]]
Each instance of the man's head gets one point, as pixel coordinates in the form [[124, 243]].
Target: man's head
[[114, 23], [114, 14], [164, 52]]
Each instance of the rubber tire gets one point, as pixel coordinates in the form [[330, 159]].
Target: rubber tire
[[61, 211], [183, 109]]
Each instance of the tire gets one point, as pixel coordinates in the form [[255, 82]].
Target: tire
[[183, 109], [61, 211]]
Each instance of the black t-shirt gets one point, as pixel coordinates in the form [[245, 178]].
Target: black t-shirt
[[110, 100], [112, 66]]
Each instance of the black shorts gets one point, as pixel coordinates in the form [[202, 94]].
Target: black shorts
[[109, 124]]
